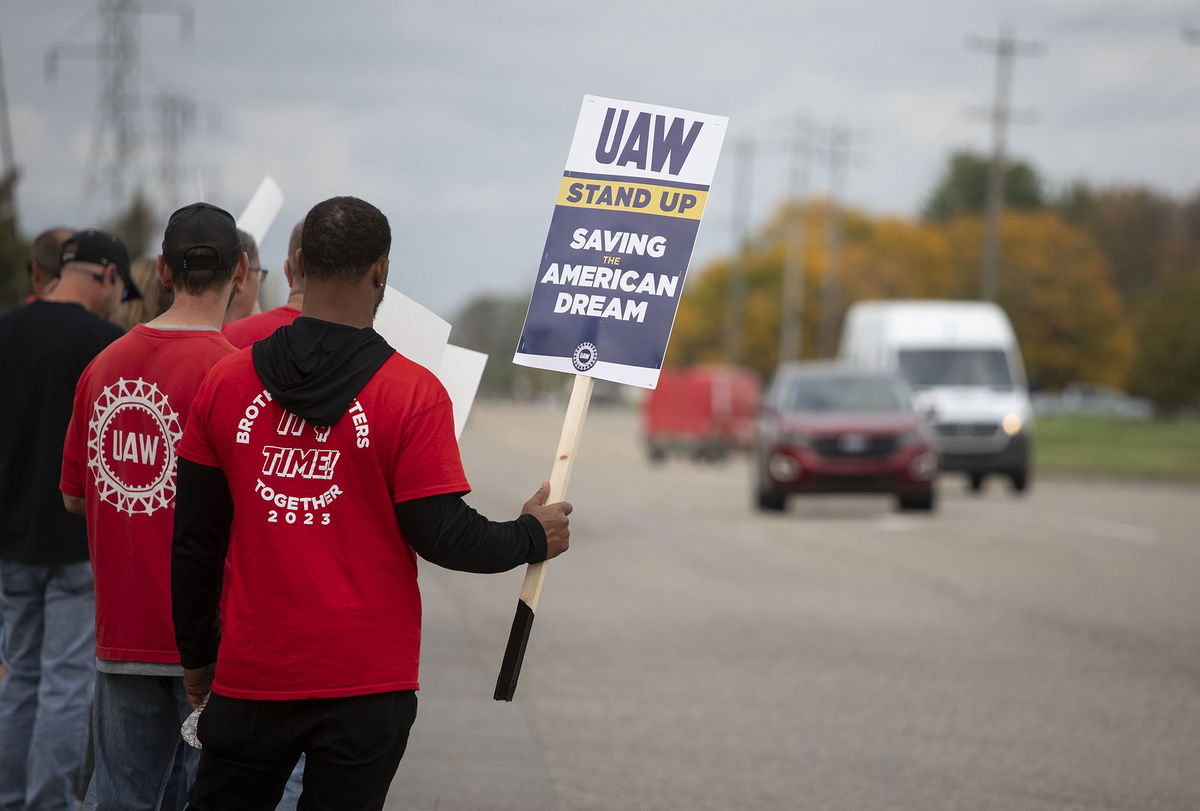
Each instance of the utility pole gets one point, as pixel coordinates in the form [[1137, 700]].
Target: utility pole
[[1005, 47], [735, 299], [792, 317], [831, 271], [115, 141]]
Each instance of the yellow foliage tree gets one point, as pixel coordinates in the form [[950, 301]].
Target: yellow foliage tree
[[1056, 286]]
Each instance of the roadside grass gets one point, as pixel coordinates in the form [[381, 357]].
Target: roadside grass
[[1112, 446]]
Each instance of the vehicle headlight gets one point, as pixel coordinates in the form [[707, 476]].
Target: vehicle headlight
[[784, 467], [1012, 424], [924, 467], [914, 437]]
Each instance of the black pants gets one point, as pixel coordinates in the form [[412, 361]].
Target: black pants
[[353, 748]]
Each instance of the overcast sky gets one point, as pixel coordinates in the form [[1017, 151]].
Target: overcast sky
[[455, 117]]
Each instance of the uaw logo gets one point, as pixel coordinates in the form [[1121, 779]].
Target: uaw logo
[[584, 356], [131, 447]]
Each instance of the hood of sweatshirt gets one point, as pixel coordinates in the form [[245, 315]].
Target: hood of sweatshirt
[[316, 368]]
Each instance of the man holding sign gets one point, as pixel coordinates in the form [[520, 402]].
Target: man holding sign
[[608, 285], [314, 466]]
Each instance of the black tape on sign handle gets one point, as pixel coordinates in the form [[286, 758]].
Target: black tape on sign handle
[[514, 654]]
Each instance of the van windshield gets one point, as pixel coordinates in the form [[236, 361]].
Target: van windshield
[[956, 367], [846, 394]]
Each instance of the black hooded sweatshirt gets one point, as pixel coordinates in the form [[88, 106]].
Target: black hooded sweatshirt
[[315, 369]]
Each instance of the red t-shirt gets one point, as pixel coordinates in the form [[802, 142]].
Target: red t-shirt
[[320, 596], [131, 405], [252, 328]]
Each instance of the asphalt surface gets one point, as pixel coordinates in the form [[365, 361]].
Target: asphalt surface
[[1036, 652]]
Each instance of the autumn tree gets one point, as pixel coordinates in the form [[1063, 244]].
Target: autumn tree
[[962, 187], [14, 251], [885, 257], [137, 226], [1168, 358], [1143, 232], [1055, 285]]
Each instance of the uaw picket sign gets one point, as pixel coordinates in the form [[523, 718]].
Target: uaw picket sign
[[625, 221], [609, 282]]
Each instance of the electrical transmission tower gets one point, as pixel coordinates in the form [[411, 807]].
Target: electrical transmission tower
[[1005, 48], [177, 114], [115, 138]]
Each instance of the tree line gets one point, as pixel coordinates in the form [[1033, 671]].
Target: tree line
[[1102, 284]]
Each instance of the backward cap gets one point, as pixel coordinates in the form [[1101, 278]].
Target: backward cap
[[201, 225]]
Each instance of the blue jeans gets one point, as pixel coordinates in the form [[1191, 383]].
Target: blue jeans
[[137, 743], [50, 650]]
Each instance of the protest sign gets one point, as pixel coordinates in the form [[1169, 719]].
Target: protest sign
[[262, 209], [611, 274], [415, 332], [256, 219], [460, 372], [616, 256], [421, 336]]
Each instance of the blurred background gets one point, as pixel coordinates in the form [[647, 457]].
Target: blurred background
[[1038, 651], [874, 124]]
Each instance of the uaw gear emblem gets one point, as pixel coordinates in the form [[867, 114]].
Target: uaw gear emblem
[[131, 447], [584, 356]]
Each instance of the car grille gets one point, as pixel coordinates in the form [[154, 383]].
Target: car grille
[[967, 429], [852, 484], [873, 447]]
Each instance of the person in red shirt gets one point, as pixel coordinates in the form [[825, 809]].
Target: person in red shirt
[[118, 469], [246, 331], [314, 468]]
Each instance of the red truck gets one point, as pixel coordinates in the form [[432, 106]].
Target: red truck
[[702, 412]]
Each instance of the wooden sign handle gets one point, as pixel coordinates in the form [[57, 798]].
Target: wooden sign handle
[[535, 574]]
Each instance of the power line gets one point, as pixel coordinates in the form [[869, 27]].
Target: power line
[[791, 323], [840, 146], [735, 306]]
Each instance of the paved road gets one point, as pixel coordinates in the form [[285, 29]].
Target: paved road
[[1007, 653]]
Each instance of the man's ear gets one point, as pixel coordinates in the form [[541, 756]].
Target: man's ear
[[239, 273], [298, 267], [380, 272], [164, 272]]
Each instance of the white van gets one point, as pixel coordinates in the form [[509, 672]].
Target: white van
[[962, 359]]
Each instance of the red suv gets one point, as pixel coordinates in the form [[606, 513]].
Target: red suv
[[825, 428]]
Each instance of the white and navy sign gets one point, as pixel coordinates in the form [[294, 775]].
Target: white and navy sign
[[625, 221]]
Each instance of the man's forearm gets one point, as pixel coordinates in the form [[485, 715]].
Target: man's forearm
[[444, 530], [203, 515]]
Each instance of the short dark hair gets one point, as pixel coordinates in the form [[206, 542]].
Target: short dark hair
[[342, 237], [249, 246], [197, 282], [47, 248]]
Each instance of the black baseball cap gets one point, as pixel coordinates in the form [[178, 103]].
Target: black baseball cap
[[104, 249], [201, 225]]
